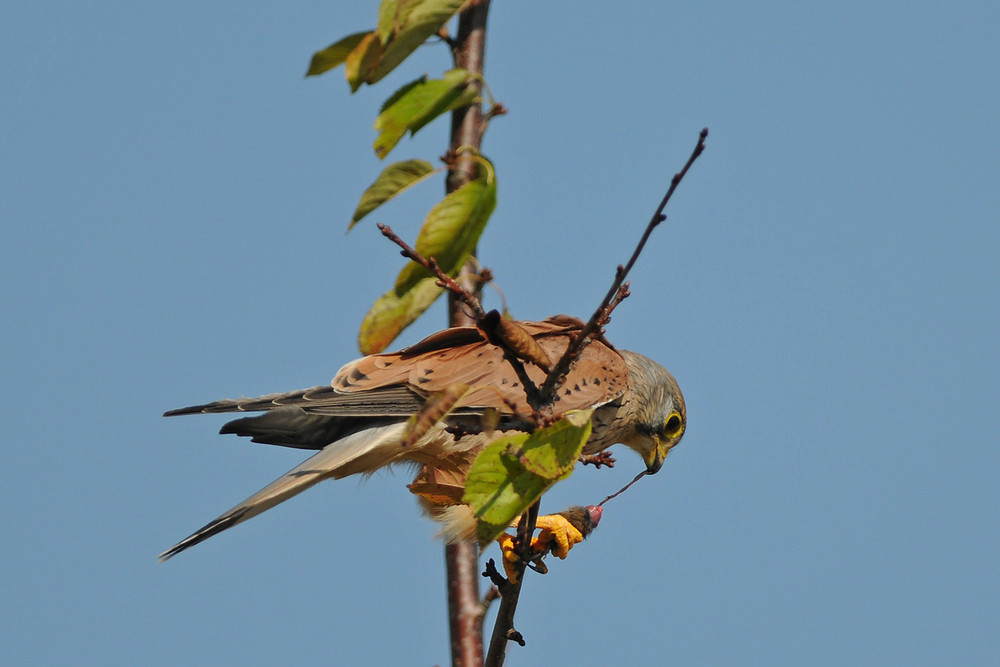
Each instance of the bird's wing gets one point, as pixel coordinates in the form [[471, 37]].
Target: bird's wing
[[397, 383], [321, 400], [358, 452], [463, 355]]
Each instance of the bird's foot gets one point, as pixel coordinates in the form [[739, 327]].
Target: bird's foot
[[599, 459], [556, 535]]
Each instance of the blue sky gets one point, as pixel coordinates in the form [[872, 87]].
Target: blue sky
[[174, 197]]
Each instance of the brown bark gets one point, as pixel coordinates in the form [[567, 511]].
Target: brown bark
[[465, 612]]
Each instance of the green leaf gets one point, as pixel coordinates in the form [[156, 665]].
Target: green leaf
[[512, 473], [418, 103], [413, 24], [386, 19], [361, 60], [394, 311], [393, 16], [460, 95], [453, 227], [394, 179], [333, 55], [395, 97]]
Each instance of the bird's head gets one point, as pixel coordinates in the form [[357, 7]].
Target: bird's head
[[655, 412]]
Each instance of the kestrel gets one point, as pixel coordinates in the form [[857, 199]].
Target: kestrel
[[361, 422]]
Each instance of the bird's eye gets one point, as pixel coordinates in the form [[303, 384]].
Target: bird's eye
[[673, 427]]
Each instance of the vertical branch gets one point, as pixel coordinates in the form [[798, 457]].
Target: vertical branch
[[468, 51], [462, 560], [465, 610]]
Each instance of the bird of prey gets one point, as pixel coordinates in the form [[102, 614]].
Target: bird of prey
[[361, 422]]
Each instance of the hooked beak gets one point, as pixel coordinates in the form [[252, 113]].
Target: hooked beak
[[654, 461]]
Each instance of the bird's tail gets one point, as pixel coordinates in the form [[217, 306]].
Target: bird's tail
[[360, 451]]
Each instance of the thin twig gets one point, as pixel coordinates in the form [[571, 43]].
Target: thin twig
[[614, 296], [493, 574], [429, 263]]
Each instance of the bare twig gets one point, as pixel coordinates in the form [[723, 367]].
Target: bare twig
[[492, 595], [525, 529], [614, 296], [443, 35], [496, 109], [429, 263], [509, 335], [500, 584]]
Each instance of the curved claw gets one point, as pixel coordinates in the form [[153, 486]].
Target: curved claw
[[557, 535]]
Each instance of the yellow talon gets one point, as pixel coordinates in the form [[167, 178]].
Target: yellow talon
[[506, 542], [556, 534]]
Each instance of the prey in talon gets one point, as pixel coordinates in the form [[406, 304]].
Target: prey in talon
[[558, 533]]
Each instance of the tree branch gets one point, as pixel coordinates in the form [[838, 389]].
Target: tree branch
[[462, 559], [503, 627], [619, 288]]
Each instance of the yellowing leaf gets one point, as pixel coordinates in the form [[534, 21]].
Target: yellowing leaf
[[412, 24], [512, 473], [333, 55], [394, 179], [453, 227], [361, 60], [418, 103], [394, 311], [403, 25]]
